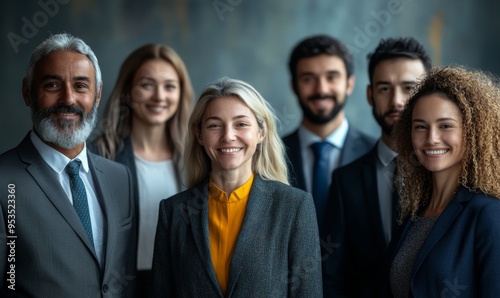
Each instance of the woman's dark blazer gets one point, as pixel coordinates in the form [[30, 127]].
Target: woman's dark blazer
[[277, 253], [461, 255]]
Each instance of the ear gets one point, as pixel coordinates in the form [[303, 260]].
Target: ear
[[26, 93], [350, 84], [98, 97], [260, 137], [369, 94]]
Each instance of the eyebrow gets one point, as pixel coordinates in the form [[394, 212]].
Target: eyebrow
[[234, 118], [57, 77], [389, 83], [310, 73], [438, 120], [152, 79]]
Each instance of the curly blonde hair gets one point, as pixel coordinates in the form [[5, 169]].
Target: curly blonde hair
[[477, 95]]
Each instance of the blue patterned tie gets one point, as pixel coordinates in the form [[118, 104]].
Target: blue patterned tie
[[321, 177], [79, 194]]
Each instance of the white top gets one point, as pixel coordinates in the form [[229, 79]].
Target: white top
[[58, 162], [156, 181], [386, 165], [307, 138]]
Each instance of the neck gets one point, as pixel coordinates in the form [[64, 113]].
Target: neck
[[324, 130], [150, 143], [389, 141], [444, 185], [231, 180]]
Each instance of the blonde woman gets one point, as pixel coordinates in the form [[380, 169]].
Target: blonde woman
[[239, 230]]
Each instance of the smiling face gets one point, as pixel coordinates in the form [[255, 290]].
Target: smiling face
[[322, 87], [229, 132], [63, 99], [155, 93], [437, 134]]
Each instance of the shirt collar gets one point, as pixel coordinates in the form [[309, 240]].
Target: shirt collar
[[336, 138], [385, 153], [241, 193], [55, 159]]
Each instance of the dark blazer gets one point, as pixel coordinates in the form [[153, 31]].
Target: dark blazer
[[53, 256], [126, 157], [356, 144], [461, 255], [357, 265], [277, 253]]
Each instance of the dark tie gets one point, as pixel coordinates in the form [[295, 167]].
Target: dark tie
[[321, 177], [79, 194]]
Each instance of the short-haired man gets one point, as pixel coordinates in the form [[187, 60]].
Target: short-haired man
[[362, 210], [322, 78], [67, 225]]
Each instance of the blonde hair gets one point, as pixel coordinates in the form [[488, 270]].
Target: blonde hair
[[117, 121], [477, 95], [269, 158]]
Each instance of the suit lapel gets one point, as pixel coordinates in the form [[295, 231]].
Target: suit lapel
[[442, 224], [48, 182], [369, 174], [199, 227], [102, 191], [257, 209], [295, 160]]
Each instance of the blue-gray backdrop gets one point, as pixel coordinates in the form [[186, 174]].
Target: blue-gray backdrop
[[245, 39]]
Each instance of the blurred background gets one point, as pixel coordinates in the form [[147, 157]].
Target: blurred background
[[245, 39]]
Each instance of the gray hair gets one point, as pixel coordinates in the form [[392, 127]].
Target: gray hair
[[62, 42]]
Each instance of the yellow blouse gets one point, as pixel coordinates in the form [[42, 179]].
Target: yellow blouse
[[225, 217]]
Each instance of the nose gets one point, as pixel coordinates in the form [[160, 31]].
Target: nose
[[68, 95], [433, 136], [228, 134], [322, 86], [398, 98], [160, 93]]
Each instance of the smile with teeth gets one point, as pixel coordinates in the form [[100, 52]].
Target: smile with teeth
[[157, 108], [436, 152], [230, 150]]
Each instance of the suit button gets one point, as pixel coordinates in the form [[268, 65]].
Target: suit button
[[105, 288]]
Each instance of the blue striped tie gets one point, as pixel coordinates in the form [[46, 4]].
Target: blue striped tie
[[79, 194]]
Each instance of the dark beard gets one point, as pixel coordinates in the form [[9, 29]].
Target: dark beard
[[317, 119]]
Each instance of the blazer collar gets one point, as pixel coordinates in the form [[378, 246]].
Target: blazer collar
[[47, 180], [257, 207], [443, 223], [197, 208]]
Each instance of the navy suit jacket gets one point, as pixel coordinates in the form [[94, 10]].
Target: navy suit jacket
[[355, 145], [356, 265], [277, 253], [461, 255]]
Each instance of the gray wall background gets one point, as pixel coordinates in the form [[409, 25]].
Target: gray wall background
[[244, 39]]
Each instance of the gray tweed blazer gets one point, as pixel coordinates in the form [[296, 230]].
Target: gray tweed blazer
[[277, 253]]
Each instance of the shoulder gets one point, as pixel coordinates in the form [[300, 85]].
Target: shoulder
[[359, 136], [280, 192], [358, 164], [292, 137]]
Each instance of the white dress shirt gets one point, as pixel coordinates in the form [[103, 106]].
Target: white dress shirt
[[307, 138]]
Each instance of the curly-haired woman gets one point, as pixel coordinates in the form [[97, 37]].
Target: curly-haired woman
[[448, 142]]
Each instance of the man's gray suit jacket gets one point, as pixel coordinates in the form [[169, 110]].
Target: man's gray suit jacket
[[277, 253], [52, 254]]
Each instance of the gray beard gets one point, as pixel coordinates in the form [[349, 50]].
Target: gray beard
[[64, 134]]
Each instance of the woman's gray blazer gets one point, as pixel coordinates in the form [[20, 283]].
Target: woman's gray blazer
[[277, 253]]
